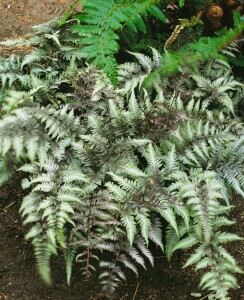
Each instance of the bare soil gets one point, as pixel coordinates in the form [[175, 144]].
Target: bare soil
[[19, 279], [17, 16]]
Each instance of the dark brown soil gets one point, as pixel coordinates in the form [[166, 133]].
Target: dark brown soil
[[19, 279]]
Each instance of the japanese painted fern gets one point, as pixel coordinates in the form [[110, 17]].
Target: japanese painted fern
[[106, 166]]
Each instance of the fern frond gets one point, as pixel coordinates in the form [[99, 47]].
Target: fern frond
[[102, 21], [130, 225]]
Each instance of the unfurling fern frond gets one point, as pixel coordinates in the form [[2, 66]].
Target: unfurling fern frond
[[184, 23]]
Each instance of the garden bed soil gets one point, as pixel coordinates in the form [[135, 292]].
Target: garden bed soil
[[19, 279], [17, 16]]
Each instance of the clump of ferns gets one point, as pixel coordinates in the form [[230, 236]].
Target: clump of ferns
[[94, 151], [45, 67], [213, 83], [213, 145], [103, 179]]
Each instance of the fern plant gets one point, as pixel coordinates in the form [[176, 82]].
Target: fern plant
[[202, 194], [107, 165]]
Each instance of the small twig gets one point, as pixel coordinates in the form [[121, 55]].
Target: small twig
[[123, 297], [136, 291], [162, 256], [6, 207], [206, 296], [4, 296], [239, 252]]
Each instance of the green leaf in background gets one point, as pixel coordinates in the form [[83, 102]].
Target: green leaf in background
[[181, 3]]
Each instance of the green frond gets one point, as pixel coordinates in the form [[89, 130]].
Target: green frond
[[171, 161], [145, 224], [131, 169], [126, 184], [5, 172], [196, 257], [153, 160], [69, 254], [226, 237], [102, 20], [169, 216], [155, 232], [130, 225], [185, 243], [171, 241]]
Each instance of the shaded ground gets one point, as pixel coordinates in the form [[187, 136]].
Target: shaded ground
[[19, 279], [17, 16]]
